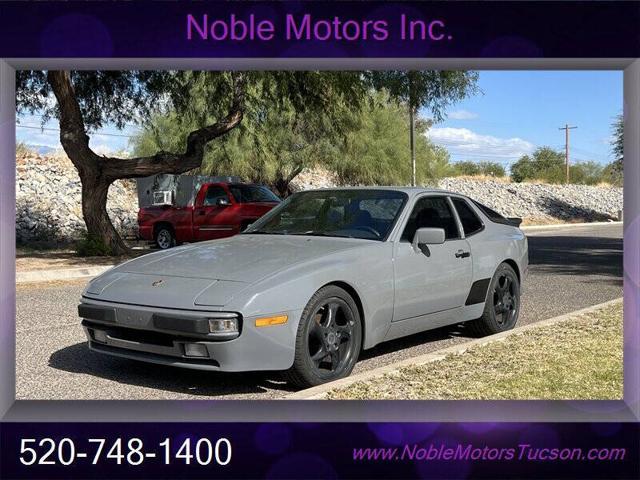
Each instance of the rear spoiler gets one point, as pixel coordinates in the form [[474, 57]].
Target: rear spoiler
[[511, 221]]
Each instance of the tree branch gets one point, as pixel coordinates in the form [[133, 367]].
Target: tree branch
[[164, 162], [75, 140]]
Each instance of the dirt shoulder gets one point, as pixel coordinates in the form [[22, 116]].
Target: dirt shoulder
[[578, 358], [32, 260]]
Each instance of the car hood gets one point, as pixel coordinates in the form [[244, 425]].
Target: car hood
[[243, 258], [209, 273]]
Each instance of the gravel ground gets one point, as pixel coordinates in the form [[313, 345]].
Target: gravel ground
[[570, 269]]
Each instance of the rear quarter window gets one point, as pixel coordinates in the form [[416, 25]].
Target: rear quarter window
[[492, 214], [471, 223]]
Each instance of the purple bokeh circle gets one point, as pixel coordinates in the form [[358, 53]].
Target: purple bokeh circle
[[76, 35], [272, 438]]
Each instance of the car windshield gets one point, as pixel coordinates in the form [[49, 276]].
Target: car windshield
[[252, 193], [366, 214]]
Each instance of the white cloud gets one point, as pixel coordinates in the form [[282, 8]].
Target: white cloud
[[462, 115], [462, 141]]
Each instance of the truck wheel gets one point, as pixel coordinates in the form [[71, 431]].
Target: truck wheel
[[328, 339], [502, 306], [165, 238]]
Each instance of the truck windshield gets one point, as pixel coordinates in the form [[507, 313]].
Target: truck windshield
[[252, 193], [366, 214]]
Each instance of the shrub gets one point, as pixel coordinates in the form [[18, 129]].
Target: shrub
[[612, 173], [92, 246], [473, 169], [491, 169], [22, 150], [466, 168], [544, 164]]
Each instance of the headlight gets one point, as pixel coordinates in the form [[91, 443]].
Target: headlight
[[223, 326]]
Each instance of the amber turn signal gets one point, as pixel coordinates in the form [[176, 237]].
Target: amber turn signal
[[268, 321]]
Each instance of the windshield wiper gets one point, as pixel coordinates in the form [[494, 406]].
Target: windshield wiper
[[314, 233]]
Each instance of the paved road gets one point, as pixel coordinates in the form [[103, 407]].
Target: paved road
[[570, 269]]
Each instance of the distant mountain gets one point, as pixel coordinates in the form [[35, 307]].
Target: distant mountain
[[41, 149]]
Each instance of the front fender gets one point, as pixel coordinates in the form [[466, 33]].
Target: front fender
[[367, 270]]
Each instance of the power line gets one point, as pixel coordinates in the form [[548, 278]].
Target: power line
[[35, 115], [44, 129]]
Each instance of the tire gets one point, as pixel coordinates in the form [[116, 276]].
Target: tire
[[502, 305], [164, 237], [327, 344]]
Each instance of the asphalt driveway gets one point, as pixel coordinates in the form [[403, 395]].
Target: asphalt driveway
[[571, 268]]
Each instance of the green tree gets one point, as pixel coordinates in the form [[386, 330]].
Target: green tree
[[491, 169], [274, 143], [432, 90], [88, 100], [613, 172], [272, 146], [544, 164], [586, 173], [469, 168], [371, 151], [466, 167], [617, 142]]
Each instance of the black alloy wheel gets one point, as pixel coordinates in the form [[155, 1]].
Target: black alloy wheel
[[328, 340]]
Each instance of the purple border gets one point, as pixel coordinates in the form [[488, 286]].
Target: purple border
[[198, 410], [325, 450], [507, 29], [7, 236]]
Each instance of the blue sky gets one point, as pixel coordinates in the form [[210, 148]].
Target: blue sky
[[517, 112], [521, 110]]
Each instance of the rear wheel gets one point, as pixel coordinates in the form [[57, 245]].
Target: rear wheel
[[164, 237], [502, 306], [328, 339]]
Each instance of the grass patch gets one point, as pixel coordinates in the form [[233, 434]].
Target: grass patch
[[580, 358]]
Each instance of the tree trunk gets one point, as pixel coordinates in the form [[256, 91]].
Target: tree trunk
[[94, 211]]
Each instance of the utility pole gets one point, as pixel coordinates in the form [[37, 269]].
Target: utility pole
[[413, 145], [411, 101], [566, 129]]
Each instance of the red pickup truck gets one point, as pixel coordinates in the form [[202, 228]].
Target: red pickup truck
[[219, 210]]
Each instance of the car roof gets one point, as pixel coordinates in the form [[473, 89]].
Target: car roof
[[411, 191]]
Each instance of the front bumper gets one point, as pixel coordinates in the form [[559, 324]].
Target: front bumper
[[181, 338]]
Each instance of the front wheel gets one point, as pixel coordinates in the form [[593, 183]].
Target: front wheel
[[502, 305], [328, 339]]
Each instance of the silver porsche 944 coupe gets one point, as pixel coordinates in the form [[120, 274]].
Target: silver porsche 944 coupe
[[319, 278]]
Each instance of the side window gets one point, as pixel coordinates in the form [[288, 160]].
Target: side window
[[470, 221], [431, 212], [492, 214], [213, 194]]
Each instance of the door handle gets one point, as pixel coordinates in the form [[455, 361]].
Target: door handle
[[201, 212], [462, 254]]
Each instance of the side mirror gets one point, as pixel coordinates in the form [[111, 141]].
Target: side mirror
[[223, 202], [427, 236]]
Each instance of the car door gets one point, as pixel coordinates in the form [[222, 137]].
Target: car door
[[212, 220], [438, 278]]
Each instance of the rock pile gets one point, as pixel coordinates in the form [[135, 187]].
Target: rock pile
[[542, 201], [48, 207], [314, 178]]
